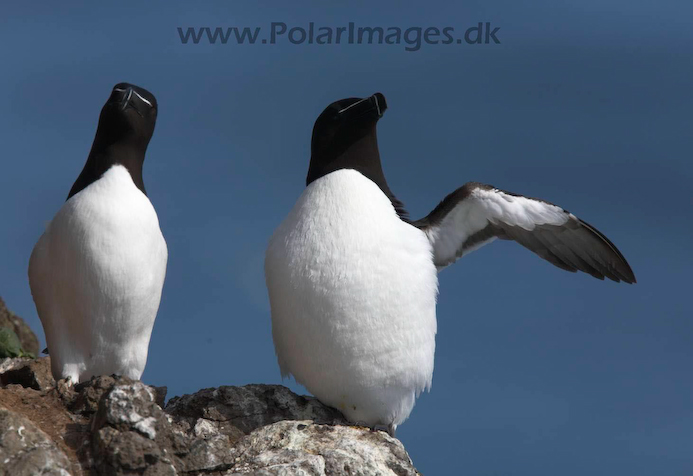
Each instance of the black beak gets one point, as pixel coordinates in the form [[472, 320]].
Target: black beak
[[380, 103], [374, 105], [125, 96]]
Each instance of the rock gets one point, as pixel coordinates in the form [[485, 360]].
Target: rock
[[131, 434], [113, 425], [84, 398], [160, 395], [69, 432], [9, 364], [269, 430], [26, 336], [215, 419], [252, 406], [306, 448], [29, 373], [25, 450]]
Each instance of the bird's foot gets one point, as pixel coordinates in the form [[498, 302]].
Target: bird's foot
[[390, 429], [66, 382]]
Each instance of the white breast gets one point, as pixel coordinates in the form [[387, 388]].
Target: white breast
[[96, 276], [352, 290]]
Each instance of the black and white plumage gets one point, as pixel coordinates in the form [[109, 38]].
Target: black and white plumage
[[476, 214], [97, 273], [353, 281]]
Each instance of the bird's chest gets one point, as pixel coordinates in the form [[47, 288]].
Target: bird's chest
[[110, 218], [344, 231]]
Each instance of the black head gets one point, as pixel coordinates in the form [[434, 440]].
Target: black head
[[126, 125], [344, 137], [129, 115], [341, 129]]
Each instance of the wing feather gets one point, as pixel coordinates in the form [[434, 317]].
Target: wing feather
[[476, 214]]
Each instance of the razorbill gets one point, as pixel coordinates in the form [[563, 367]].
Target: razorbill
[[353, 281], [97, 272]]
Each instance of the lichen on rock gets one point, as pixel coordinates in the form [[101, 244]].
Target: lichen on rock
[[27, 339]]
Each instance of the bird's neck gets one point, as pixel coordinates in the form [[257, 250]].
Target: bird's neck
[[103, 157], [363, 156]]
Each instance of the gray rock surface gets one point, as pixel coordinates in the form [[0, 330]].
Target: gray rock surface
[[303, 447], [250, 407], [25, 450], [113, 426], [131, 434], [30, 373]]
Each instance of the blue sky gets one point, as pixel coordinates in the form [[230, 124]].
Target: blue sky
[[585, 104]]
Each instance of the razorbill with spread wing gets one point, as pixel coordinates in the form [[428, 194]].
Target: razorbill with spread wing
[[353, 282], [97, 272]]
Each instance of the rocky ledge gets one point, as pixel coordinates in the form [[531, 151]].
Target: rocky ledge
[[117, 426]]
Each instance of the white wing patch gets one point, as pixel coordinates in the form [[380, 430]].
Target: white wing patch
[[497, 206], [450, 238]]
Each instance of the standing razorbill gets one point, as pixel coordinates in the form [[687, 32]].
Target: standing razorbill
[[353, 282], [97, 272]]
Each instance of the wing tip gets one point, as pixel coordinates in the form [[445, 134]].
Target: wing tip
[[625, 273], [618, 277]]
